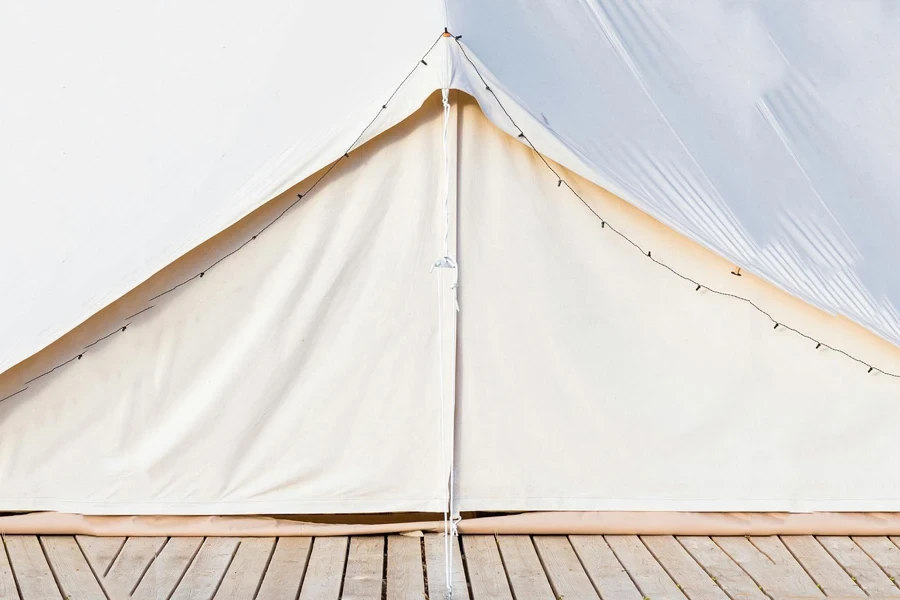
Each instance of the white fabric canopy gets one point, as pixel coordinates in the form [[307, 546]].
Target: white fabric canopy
[[765, 131], [132, 134]]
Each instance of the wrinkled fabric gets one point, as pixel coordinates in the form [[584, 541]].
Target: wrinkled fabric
[[323, 369], [300, 374], [537, 523], [765, 131], [591, 378]]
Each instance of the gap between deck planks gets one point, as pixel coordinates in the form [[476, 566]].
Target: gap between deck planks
[[400, 567]]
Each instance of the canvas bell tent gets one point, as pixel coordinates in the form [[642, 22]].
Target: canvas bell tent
[[463, 257]]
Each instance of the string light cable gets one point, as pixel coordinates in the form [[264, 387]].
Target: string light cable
[[421, 63], [604, 224]]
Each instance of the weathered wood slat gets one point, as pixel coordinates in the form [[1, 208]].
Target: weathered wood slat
[[723, 571], [486, 574], [73, 574], [681, 566], [523, 568], [100, 551], [30, 566], [771, 566], [499, 568], [604, 569], [884, 552], [437, 576], [244, 575], [286, 569], [566, 575], [325, 569], [651, 579], [165, 573], [829, 576], [365, 567], [8, 589], [133, 561], [405, 576], [207, 570], [857, 563]]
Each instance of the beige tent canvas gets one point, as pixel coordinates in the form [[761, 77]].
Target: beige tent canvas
[[456, 301], [303, 373]]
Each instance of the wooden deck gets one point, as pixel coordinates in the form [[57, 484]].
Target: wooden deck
[[401, 567]]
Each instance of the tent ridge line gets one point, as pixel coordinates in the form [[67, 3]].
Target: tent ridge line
[[346, 154], [604, 224]]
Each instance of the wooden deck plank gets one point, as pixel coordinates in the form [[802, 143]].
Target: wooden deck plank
[[774, 549], [828, 575], [207, 570], [325, 569], [523, 568], [564, 570], [486, 573], [73, 574], [603, 568], [365, 567], [244, 575], [771, 566], [723, 571], [133, 561], [885, 553], [505, 567], [30, 566], [683, 568], [405, 577], [165, 573], [286, 569], [860, 566], [8, 590], [650, 578], [437, 576], [100, 551]]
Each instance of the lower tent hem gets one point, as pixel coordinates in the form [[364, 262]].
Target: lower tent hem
[[544, 523]]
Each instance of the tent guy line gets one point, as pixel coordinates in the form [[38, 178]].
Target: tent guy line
[[604, 224], [560, 182]]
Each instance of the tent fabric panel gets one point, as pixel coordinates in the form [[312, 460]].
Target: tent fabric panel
[[299, 374], [591, 378]]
